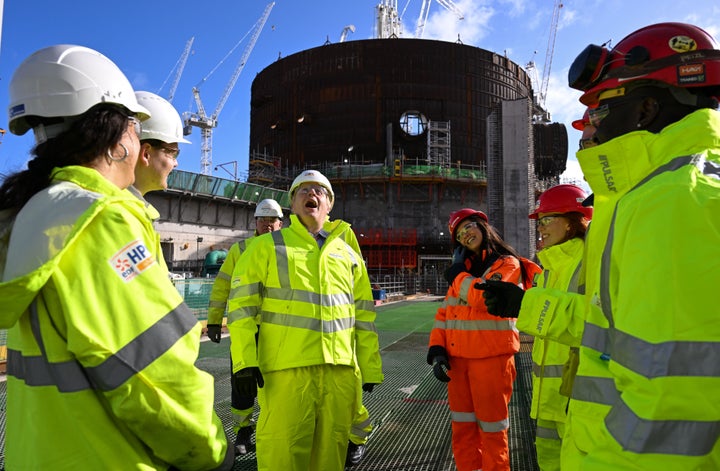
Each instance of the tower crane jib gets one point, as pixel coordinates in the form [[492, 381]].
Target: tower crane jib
[[425, 10], [207, 123], [549, 53]]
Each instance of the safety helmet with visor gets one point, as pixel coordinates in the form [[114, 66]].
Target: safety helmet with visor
[[58, 83], [676, 54]]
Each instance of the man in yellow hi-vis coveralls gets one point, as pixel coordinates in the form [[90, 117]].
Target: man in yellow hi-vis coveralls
[[309, 292]]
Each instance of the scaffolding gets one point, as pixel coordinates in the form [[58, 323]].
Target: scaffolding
[[438, 143]]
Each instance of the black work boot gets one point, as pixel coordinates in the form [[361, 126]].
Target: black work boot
[[243, 444], [355, 454]]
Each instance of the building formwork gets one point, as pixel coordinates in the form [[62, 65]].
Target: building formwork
[[400, 127]]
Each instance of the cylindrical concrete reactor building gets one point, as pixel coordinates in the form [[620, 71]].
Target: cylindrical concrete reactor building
[[401, 127]]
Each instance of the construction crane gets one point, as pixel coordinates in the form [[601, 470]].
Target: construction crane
[[178, 68], [549, 54], [425, 10], [201, 119], [345, 31]]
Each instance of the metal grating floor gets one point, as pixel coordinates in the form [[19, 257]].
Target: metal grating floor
[[409, 410]]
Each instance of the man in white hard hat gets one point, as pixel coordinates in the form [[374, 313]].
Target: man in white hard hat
[[310, 292], [160, 139], [268, 218]]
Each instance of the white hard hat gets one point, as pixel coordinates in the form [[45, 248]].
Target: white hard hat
[[66, 80], [165, 124], [312, 176], [268, 208]]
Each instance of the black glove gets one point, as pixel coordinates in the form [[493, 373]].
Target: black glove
[[502, 299], [460, 254], [248, 380], [437, 357], [214, 332], [368, 387]]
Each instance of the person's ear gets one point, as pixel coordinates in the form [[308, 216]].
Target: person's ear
[[144, 158]]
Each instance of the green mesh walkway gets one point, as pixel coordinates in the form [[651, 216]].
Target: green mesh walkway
[[409, 410]]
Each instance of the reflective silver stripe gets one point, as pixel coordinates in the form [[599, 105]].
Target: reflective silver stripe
[[364, 305], [283, 268], [308, 323], [547, 433], [573, 286], [655, 360], [667, 437], [243, 313], [595, 389], [70, 376], [596, 338], [464, 290], [223, 276], [547, 371], [67, 376], [289, 294], [453, 301], [243, 291], [498, 426], [462, 416], [439, 324], [366, 326], [458, 324], [217, 304], [143, 349], [359, 429], [469, 417]]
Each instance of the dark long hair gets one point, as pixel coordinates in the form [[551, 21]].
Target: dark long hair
[[492, 242], [89, 136]]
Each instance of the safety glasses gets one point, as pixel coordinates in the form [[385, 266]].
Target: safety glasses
[[318, 190], [596, 115], [546, 220], [170, 151], [464, 230]]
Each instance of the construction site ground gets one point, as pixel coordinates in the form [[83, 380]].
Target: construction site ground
[[409, 409]]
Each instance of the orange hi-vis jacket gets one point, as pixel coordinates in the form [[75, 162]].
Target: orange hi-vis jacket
[[462, 324]]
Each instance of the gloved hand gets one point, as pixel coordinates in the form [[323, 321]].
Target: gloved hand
[[368, 387], [502, 299], [460, 254], [214, 332], [248, 380], [438, 357]]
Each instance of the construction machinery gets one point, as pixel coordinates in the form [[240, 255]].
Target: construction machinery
[[178, 68], [201, 119], [425, 10], [345, 31], [542, 96]]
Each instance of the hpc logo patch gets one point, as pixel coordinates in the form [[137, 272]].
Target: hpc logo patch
[[132, 260]]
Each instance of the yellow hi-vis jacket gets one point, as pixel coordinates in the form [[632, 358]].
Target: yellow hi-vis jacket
[[314, 305], [645, 392], [221, 286], [561, 269], [101, 348]]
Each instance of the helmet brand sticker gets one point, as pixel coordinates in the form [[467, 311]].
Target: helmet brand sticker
[[17, 110], [682, 44], [132, 260], [691, 73]]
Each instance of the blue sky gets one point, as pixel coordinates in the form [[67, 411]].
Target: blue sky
[[147, 38]]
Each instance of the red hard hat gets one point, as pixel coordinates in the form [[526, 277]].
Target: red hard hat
[[580, 124], [678, 54], [456, 217], [564, 198]]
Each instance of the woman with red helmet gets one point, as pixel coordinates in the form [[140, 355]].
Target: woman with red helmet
[[649, 355], [472, 350], [562, 222]]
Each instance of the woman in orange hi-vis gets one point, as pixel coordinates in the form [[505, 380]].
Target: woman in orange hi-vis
[[472, 350]]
